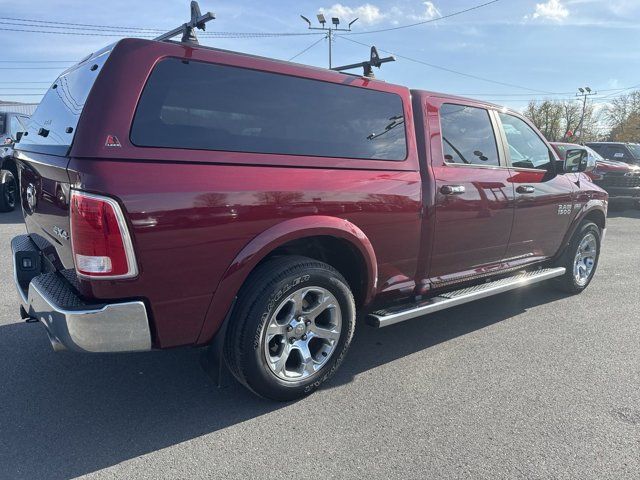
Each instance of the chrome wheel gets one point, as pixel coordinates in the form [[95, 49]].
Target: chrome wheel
[[585, 259], [302, 333]]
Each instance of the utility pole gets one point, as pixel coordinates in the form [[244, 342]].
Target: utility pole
[[584, 93], [329, 31]]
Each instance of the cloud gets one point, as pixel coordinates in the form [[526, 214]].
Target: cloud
[[552, 10], [429, 12], [367, 14]]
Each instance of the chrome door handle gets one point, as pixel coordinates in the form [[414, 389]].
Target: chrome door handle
[[452, 189], [526, 189]]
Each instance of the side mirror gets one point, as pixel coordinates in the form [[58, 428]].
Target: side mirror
[[577, 160]]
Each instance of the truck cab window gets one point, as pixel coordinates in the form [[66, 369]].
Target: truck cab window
[[526, 148], [467, 136]]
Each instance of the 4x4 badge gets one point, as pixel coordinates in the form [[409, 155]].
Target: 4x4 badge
[[112, 141]]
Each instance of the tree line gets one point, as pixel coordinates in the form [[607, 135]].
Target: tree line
[[562, 120]]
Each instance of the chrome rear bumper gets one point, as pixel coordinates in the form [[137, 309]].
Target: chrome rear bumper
[[72, 323]]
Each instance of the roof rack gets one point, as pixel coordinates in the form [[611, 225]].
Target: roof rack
[[188, 29], [374, 61]]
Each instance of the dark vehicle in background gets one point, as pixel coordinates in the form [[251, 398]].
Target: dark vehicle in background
[[621, 179], [618, 151], [11, 127], [181, 195]]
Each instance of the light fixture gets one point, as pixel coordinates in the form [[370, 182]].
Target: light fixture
[[305, 19], [352, 22]]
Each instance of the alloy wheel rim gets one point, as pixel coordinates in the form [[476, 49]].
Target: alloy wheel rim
[[302, 333], [585, 259]]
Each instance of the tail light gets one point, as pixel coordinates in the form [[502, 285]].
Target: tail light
[[100, 238]]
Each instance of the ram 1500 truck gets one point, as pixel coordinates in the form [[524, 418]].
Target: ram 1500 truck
[[175, 194]]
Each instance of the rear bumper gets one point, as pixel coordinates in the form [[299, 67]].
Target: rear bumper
[[72, 323]]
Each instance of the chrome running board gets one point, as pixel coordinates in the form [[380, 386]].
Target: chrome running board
[[389, 316]]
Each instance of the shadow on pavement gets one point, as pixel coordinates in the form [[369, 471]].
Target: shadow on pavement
[[14, 217], [623, 208], [63, 414]]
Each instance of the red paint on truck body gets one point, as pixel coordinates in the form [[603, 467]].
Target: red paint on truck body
[[201, 220]]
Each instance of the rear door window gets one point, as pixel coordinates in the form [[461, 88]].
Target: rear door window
[[467, 136], [196, 105]]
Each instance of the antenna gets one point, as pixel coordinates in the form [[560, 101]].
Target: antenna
[[374, 61], [188, 29]]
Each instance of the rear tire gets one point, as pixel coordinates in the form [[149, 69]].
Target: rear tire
[[580, 259], [8, 191], [291, 327]]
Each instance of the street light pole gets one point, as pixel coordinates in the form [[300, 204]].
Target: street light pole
[[329, 31], [584, 93]]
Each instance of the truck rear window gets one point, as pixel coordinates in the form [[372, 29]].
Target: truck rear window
[[52, 126], [196, 105]]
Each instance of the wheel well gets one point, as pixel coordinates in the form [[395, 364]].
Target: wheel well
[[7, 163], [597, 217], [338, 253]]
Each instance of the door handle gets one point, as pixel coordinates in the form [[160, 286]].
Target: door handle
[[526, 189], [452, 189]]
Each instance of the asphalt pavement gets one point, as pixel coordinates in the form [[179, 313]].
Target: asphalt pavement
[[530, 384]]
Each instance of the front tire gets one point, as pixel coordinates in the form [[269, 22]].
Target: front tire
[[580, 259], [291, 327], [8, 191]]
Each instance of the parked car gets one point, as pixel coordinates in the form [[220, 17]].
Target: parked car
[[618, 151], [176, 195], [621, 180], [11, 127]]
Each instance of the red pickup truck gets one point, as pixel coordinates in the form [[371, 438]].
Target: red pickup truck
[[176, 194]]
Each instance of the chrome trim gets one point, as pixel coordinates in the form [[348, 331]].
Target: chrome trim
[[116, 327], [443, 302], [132, 265]]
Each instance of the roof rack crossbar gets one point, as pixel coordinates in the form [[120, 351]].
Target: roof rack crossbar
[[188, 29], [374, 61]]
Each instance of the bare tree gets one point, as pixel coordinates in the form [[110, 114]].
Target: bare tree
[[558, 120]]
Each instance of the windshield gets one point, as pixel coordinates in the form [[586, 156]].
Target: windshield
[[635, 150], [593, 154]]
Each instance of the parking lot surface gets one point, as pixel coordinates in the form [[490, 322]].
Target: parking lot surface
[[528, 384]]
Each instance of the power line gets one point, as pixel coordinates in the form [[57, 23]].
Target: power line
[[469, 75], [442, 17], [307, 48]]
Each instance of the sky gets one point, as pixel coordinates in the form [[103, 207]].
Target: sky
[[508, 52]]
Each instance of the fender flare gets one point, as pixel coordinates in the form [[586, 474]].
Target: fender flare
[[263, 244], [588, 208]]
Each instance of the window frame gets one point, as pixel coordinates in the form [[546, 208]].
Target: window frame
[[494, 126], [553, 157], [408, 139]]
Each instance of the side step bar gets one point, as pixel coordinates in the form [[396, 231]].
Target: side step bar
[[386, 317]]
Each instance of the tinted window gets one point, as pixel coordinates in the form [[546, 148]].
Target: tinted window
[[635, 150], [615, 152], [467, 135], [52, 126], [215, 107], [526, 148]]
